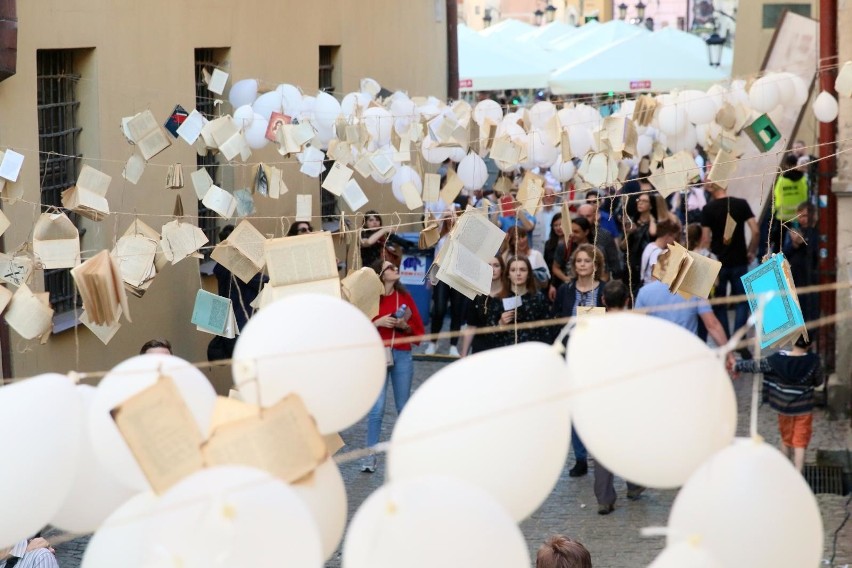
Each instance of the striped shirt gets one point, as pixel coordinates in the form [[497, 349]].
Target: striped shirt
[[788, 381], [39, 558]]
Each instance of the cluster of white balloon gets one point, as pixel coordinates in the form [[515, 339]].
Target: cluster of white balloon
[[682, 120], [478, 448]]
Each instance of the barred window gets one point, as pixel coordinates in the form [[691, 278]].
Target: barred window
[[328, 84], [59, 151]]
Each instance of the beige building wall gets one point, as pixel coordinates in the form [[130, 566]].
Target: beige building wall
[[141, 56]]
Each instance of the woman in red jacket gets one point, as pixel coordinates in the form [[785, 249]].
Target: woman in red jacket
[[398, 319]]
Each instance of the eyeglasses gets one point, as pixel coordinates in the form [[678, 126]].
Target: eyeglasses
[[388, 267], [303, 230]]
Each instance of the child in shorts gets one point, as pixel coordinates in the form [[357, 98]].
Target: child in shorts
[[789, 379]]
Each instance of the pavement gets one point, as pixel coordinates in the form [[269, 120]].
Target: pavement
[[613, 540]]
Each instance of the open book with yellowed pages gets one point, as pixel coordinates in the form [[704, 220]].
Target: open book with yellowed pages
[[686, 272], [242, 252], [300, 264], [101, 288]]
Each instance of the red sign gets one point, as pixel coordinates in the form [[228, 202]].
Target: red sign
[[636, 85], [465, 83]]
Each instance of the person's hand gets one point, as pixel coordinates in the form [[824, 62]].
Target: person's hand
[[507, 317], [386, 321], [551, 293], [751, 256], [730, 362]]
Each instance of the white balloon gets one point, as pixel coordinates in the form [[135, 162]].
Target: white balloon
[[685, 554], [322, 348], [403, 175], [267, 103], [243, 93], [233, 516], [243, 116], [388, 177], [541, 113], [644, 145], [325, 496], [648, 423], [309, 103], [122, 535], [472, 171], [581, 140], [457, 153], [94, 493], [672, 118], [763, 95], [540, 149], [738, 94], [127, 379], [461, 420], [291, 99], [256, 133], [404, 111], [825, 107], [326, 110], [433, 521], [718, 94], [683, 140], [433, 153], [41, 423], [700, 108], [563, 171], [801, 90], [750, 508], [370, 86], [379, 123], [487, 109], [786, 89]]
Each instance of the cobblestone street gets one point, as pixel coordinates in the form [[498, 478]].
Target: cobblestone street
[[613, 540]]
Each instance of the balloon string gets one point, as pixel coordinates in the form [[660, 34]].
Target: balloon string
[[757, 380]]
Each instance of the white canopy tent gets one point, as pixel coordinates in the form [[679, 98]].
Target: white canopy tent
[[594, 37], [485, 65], [694, 45], [554, 31], [644, 62], [507, 29]]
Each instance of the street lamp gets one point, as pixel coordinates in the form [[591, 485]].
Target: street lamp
[[714, 49], [622, 11], [550, 13], [539, 15], [640, 11], [486, 19]]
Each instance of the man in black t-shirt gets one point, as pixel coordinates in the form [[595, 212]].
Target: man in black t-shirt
[[734, 255]]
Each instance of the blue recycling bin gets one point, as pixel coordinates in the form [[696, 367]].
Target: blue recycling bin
[[412, 273]]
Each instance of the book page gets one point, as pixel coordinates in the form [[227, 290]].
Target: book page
[[249, 241], [141, 125], [452, 187], [312, 161], [191, 127], [93, 180], [15, 270], [531, 192], [236, 262], [504, 150], [211, 311], [381, 163], [217, 81], [230, 409], [133, 169], [304, 207], [474, 271], [337, 178], [135, 257], [327, 287], [730, 227], [201, 181], [103, 332], [723, 169], [56, 241], [6, 297], [10, 165], [363, 289], [154, 143], [27, 315], [479, 235], [233, 146], [701, 276], [220, 201], [161, 433], [303, 258], [283, 441], [180, 240], [431, 187], [354, 196], [411, 195]]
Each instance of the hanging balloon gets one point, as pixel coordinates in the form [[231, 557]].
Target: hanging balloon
[[487, 109], [825, 107], [541, 149], [433, 521], [563, 171], [308, 105], [325, 496], [350, 106], [718, 94], [488, 401], [764, 95], [256, 133], [122, 535], [685, 554], [243, 93], [618, 411], [41, 423], [326, 110], [94, 493], [291, 99], [700, 108], [472, 171], [127, 379], [644, 145], [778, 525], [801, 90], [683, 140], [267, 103], [433, 153], [233, 516], [581, 140], [672, 118], [541, 113], [403, 175], [289, 346], [388, 176], [379, 123], [457, 153], [404, 112], [786, 89], [243, 117]]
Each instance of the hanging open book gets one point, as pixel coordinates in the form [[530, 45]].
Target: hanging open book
[[686, 272], [782, 315]]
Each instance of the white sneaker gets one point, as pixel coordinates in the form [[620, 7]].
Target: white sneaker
[[454, 352], [430, 348]]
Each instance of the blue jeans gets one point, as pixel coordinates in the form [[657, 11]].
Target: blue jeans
[[580, 452], [731, 274], [399, 376]]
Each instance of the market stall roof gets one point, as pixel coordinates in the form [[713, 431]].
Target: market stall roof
[[548, 33], [484, 65], [694, 45], [594, 37], [508, 29], [644, 62]]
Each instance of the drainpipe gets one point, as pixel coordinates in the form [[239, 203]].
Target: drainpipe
[[452, 50]]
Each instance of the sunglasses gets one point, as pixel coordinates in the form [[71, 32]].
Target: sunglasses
[[389, 267]]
